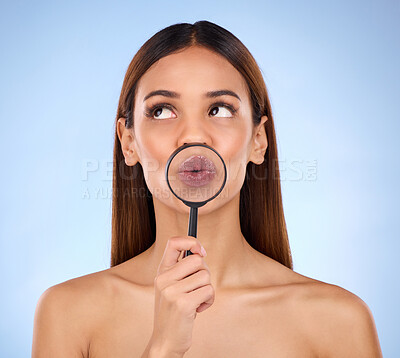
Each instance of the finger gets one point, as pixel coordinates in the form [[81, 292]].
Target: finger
[[204, 294], [199, 279], [184, 268], [175, 245]]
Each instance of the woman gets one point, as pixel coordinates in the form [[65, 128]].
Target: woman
[[199, 84]]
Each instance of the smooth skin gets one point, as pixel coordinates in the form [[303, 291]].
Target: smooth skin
[[257, 307]]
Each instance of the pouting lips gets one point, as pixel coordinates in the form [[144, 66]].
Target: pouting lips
[[197, 171], [196, 164]]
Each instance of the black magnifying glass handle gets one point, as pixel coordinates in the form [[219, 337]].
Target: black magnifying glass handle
[[192, 227]]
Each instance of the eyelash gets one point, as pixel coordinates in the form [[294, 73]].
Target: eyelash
[[149, 111]]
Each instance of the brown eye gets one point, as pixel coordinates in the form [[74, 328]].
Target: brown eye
[[222, 110], [157, 110]]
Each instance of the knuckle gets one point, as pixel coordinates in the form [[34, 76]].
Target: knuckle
[[197, 261], [167, 293], [205, 275], [170, 242], [210, 290]]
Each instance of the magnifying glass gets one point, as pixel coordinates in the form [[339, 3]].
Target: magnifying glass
[[195, 174]]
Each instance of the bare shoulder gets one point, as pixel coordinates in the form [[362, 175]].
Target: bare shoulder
[[66, 314], [339, 323]]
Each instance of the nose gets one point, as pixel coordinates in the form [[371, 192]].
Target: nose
[[194, 131]]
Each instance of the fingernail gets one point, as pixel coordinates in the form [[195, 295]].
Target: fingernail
[[203, 251]]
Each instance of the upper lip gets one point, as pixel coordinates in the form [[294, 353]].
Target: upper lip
[[197, 162]]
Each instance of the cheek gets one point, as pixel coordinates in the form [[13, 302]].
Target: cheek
[[153, 157], [235, 152]]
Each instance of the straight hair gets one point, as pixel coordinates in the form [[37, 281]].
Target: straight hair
[[261, 213]]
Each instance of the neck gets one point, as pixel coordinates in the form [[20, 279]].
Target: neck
[[228, 253]]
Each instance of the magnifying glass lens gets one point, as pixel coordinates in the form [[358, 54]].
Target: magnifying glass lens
[[196, 174]]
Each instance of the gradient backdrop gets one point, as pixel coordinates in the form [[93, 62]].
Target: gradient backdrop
[[332, 71]]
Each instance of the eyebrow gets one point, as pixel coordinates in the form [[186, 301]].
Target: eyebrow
[[210, 94]]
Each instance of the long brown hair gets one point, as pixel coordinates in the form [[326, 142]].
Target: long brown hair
[[262, 219]]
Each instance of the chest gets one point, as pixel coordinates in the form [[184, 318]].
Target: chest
[[229, 328]]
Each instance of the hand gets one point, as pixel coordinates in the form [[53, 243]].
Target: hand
[[182, 289]]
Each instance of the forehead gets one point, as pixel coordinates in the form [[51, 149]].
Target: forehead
[[192, 72]]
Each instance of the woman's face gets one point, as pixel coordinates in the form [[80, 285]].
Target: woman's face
[[186, 113]]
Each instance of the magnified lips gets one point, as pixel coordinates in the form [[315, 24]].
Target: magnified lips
[[197, 163], [197, 171]]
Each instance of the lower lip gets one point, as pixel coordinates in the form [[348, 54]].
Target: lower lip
[[199, 178]]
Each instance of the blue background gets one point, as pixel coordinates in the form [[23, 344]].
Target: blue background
[[332, 71]]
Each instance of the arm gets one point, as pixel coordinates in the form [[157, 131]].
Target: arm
[[57, 331], [360, 338], [347, 327]]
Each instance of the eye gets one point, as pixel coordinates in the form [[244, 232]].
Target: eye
[[157, 110], [227, 111]]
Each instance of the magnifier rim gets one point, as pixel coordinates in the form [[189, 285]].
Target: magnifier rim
[[184, 146]]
